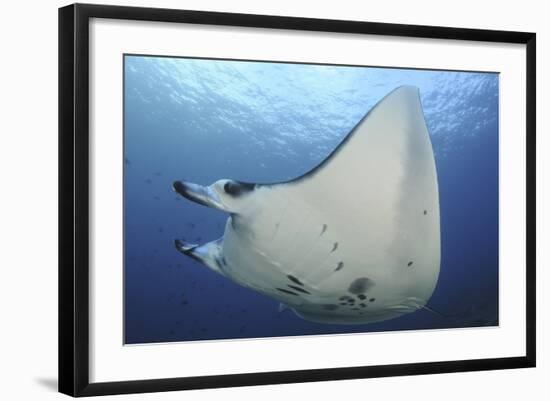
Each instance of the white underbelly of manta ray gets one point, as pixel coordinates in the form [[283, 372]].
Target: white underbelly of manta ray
[[355, 240]]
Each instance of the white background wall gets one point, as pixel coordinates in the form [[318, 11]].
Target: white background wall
[[28, 199]]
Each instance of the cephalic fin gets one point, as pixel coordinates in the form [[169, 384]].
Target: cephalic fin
[[208, 254], [184, 247]]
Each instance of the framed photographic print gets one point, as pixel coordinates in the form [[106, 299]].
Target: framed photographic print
[[229, 187]]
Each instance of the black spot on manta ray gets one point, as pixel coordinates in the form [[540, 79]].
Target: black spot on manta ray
[[360, 285], [339, 267], [235, 188], [334, 247], [324, 229], [294, 279], [425, 212], [410, 264], [299, 289], [344, 297], [372, 299], [361, 296], [287, 291]]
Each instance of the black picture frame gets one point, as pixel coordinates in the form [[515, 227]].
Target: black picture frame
[[74, 198]]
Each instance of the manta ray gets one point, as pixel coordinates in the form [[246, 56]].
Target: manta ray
[[355, 240]]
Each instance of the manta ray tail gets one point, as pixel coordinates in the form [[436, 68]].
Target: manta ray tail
[[434, 311], [283, 307]]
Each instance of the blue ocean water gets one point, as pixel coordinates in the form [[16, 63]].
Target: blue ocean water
[[202, 120]]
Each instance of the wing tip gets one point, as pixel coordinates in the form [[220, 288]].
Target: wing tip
[[413, 90]]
